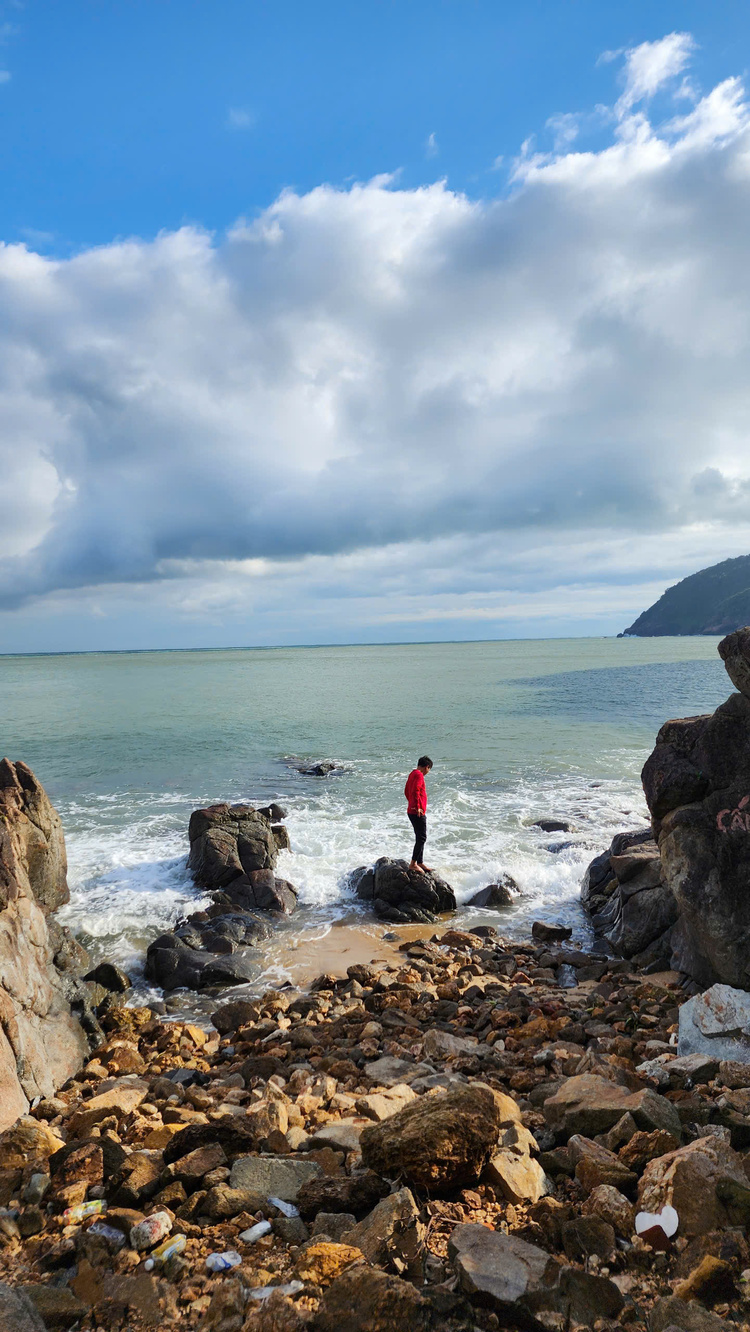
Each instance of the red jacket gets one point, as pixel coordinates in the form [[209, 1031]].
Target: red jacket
[[416, 793]]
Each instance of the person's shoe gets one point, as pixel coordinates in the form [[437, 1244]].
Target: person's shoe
[[418, 869]]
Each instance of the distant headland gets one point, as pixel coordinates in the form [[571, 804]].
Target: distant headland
[[712, 601]]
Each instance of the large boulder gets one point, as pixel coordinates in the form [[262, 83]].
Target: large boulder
[[629, 903], [41, 1041], [697, 785], [442, 1140], [227, 842], [401, 895], [716, 1024], [589, 1105], [233, 852], [524, 1285], [705, 1182]]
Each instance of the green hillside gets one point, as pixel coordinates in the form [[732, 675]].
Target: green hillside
[[713, 601]]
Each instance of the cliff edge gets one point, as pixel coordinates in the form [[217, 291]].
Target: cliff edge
[[42, 1043]]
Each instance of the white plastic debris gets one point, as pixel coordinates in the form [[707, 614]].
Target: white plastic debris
[[222, 1262], [286, 1208], [666, 1220], [263, 1292], [256, 1232]]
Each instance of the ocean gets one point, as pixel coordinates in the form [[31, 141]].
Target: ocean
[[127, 744]]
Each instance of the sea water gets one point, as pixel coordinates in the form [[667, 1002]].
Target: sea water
[[127, 744]]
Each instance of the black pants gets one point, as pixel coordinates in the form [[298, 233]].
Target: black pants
[[419, 824]]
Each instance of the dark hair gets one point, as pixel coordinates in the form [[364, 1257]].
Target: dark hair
[[424, 762]]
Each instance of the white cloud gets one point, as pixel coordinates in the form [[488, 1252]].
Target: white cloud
[[565, 127], [381, 406], [651, 65], [431, 148], [238, 117]]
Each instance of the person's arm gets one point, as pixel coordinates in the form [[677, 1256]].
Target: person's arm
[[421, 795]]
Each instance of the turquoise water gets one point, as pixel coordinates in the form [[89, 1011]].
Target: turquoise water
[[127, 744]]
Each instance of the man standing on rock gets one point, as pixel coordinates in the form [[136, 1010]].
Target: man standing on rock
[[416, 808]]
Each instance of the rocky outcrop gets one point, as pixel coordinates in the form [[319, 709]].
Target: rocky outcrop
[[678, 896], [41, 1040], [233, 853], [697, 785], [630, 905], [401, 895]]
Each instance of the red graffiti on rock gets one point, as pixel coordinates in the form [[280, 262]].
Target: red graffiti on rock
[[735, 820]]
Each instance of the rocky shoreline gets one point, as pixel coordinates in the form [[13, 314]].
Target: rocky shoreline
[[478, 1133], [453, 1143]]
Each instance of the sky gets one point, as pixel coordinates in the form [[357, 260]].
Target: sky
[[367, 322]]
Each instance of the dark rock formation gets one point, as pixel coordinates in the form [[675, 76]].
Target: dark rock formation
[[233, 852], [629, 903], [495, 895], [401, 895], [697, 785], [321, 769], [228, 842], [41, 1041], [680, 893]]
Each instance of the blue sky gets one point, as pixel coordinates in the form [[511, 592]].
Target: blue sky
[[128, 118], [367, 322]]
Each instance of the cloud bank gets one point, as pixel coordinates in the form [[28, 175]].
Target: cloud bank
[[380, 406]]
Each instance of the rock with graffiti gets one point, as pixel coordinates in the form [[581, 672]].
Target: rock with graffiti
[[697, 785]]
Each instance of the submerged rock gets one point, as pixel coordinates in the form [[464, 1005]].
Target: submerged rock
[[496, 895]]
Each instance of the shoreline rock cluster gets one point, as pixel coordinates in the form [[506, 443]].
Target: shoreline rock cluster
[[677, 895], [233, 854], [42, 999], [453, 1142]]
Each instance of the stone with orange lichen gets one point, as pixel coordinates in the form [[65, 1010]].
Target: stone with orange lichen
[[320, 1264]]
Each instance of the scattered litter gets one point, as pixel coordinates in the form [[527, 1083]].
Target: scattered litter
[[256, 1232], [223, 1262], [162, 1254], [657, 1228], [286, 1208], [147, 1233], [263, 1292], [96, 1208], [114, 1237]]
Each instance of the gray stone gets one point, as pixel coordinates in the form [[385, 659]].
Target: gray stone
[[716, 1023], [391, 1235], [17, 1313], [333, 1224], [499, 1270], [273, 1176], [523, 1284], [387, 1071], [340, 1133], [687, 1315], [696, 1067], [443, 1045]]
